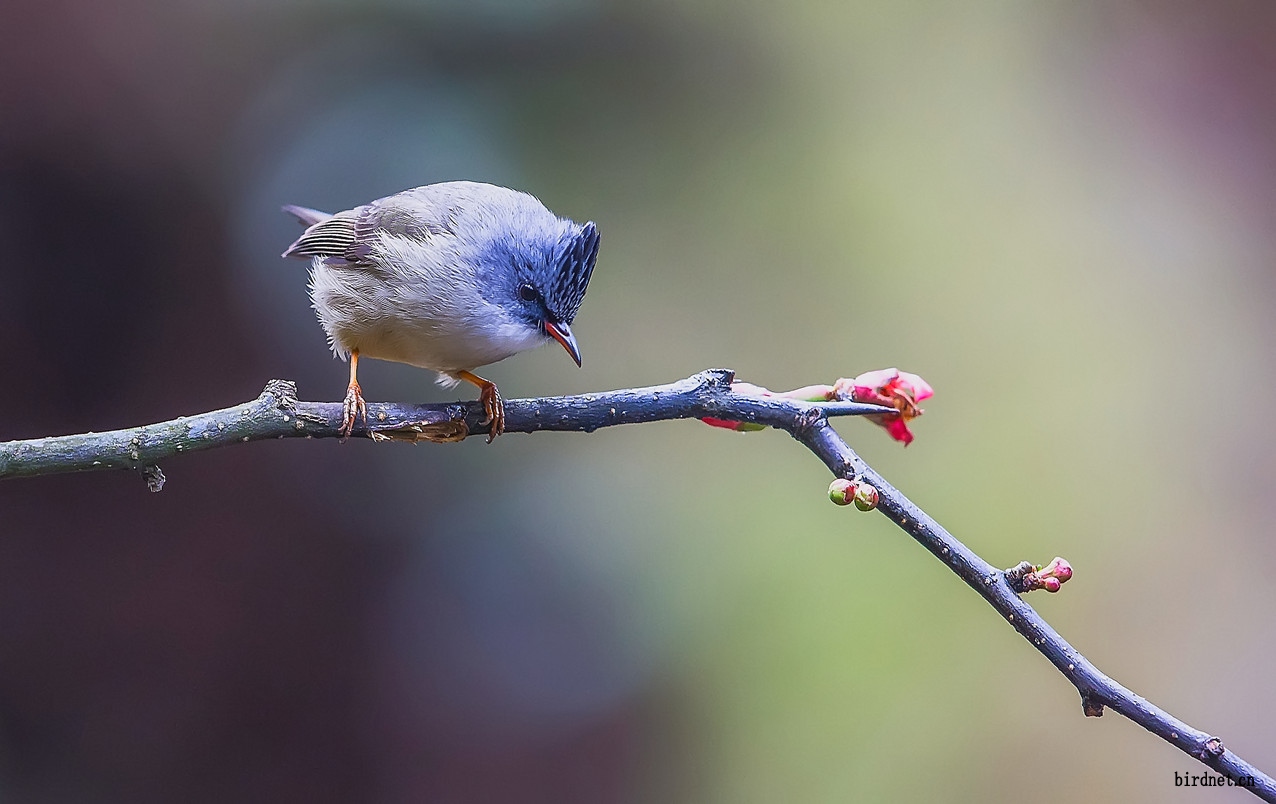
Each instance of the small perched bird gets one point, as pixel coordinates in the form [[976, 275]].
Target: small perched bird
[[447, 277]]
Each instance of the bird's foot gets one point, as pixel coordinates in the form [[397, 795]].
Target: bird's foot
[[494, 406], [352, 408]]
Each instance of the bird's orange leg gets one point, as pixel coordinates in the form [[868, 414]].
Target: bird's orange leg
[[354, 406], [493, 405]]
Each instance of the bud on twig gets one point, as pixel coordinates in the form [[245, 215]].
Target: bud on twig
[[892, 388], [865, 496], [845, 492], [841, 491], [1025, 577]]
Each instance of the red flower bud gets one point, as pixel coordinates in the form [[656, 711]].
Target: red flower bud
[[889, 387], [1051, 577], [845, 492], [728, 424], [841, 491], [865, 496], [892, 388]]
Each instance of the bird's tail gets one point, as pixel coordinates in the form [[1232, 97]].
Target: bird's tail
[[307, 216]]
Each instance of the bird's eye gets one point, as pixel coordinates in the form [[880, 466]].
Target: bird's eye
[[527, 293]]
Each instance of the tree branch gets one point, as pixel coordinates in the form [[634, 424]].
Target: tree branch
[[1097, 689], [277, 413]]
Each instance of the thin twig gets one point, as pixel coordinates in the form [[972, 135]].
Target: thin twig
[[1097, 689], [277, 413]]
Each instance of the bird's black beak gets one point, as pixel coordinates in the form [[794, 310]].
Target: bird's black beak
[[563, 334]]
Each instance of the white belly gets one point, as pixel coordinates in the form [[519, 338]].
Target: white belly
[[383, 317]]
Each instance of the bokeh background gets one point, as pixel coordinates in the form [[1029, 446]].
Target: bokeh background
[[1062, 214]]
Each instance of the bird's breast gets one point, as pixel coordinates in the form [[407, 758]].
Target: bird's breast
[[430, 316]]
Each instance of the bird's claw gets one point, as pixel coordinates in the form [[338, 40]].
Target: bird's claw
[[494, 406], [352, 408]]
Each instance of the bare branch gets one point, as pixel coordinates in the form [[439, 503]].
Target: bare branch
[[277, 413], [1097, 689]]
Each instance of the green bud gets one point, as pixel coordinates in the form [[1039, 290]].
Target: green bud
[[841, 491], [865, 496]]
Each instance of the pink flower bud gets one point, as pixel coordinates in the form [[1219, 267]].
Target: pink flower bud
[[1058, 568], [728, 424], [845, 492], [841, 491], [892, 388], [865, 496], [1051, 577]]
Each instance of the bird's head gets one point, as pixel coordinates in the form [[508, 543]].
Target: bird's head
[[550, 284]]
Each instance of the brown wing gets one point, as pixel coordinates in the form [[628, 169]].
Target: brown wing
[[348, 236], [419, 214]]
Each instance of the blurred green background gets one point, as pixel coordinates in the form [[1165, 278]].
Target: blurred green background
[[1062, 215]]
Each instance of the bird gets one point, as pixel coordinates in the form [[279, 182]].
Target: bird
[[447, 277]]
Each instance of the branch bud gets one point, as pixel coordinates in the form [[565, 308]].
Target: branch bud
[[892, 388], [845, 492], [865, 496], [1051, 577], [841, 491]]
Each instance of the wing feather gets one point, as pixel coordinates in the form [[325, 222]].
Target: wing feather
[[333, 237], [419, 214]]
